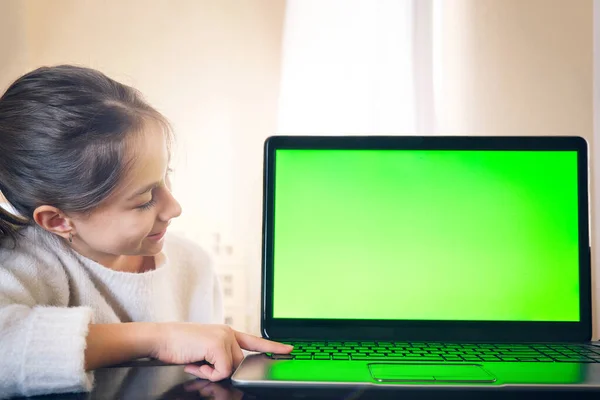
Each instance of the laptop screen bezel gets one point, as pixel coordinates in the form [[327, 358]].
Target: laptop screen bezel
[[421, 330]]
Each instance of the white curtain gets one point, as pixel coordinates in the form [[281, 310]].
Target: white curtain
[[357, 67]]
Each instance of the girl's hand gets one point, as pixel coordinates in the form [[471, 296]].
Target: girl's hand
[[218, 345]]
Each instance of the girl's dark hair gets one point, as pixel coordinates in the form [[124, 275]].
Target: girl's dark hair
[[64, 138]]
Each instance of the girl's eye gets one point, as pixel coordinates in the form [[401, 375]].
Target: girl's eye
[[152, 202], [148, 205]]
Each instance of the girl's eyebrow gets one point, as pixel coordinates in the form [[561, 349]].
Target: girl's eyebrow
[[145, 190]]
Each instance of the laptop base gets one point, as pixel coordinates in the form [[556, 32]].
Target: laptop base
[[258, 370]]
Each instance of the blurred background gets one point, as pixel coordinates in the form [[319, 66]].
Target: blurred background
[[230, 73]]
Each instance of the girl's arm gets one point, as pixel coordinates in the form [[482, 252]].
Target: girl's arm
[[110, 344]]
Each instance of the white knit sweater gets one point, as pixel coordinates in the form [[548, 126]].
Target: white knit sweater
[[49, 294]]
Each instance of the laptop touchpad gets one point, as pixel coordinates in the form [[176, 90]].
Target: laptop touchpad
[[428, 372]]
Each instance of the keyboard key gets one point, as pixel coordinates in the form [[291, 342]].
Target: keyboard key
[[303, 357], [283, 357], [321, 357], [373, 357], [574, 359], [395, 357], [370, 358], [589, 354], [341, 357]]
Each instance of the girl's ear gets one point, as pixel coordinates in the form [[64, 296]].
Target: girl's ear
[[53, 220]]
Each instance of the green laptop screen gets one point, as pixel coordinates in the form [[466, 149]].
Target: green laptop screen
[[426, 235]]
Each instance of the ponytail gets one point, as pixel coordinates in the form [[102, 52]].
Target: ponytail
[[10, 224]]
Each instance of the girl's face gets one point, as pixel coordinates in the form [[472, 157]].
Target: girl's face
[[134, 219]]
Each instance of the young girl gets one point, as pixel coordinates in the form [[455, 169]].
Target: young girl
[[89, 276]]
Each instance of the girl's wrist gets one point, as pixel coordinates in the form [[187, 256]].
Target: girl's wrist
[[148, 337]]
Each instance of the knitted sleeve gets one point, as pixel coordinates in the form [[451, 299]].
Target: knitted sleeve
[[41, 346]]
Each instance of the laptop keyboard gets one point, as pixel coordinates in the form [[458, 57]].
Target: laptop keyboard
[[445, 352]]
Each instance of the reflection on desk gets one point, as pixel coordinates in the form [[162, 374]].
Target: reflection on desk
[[152, 383], [160, 383], [155, 382]]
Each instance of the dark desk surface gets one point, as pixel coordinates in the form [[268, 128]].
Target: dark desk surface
[[172, 383]]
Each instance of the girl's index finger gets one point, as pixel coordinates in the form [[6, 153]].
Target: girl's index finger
[[254, 343]]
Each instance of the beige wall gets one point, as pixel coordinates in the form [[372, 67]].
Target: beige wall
[[13, 42], [517, 67]]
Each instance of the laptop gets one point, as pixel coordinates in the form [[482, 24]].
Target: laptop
[[431, 262]]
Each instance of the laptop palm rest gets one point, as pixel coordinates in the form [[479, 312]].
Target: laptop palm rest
[[428, 372]]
